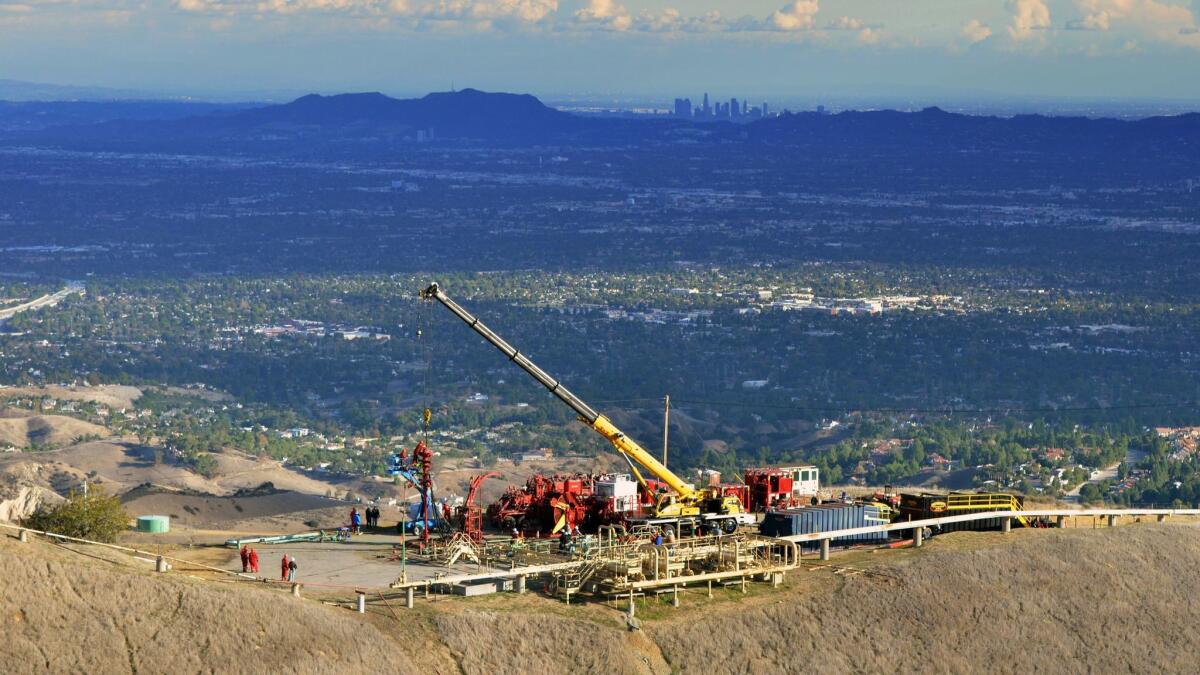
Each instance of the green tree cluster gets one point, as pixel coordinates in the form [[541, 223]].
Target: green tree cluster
[[95, 515]]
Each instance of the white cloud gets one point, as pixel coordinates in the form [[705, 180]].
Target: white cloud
[[284, 6], [1151, 18], [799, 15], [527, 11], [870, 35], [1029, 16], [976, 31], [796, 16], [605, 14], [1099, 21], [478, 11], [671, 20], [846, 23]]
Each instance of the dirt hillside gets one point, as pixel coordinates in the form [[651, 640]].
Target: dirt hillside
[[124, 465], [111, 395], [67, 612], [208, 511], [22, 432], [1069, 601], [1061, 601]]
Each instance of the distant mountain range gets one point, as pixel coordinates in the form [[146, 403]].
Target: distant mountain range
[[934, 127], [19, 90], [469, 114], [465, 113]]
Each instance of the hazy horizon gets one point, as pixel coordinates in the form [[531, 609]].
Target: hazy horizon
[[596, 50], [966, 101]]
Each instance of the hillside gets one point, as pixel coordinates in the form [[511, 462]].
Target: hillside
[[111, 395], [1056, 601], [1060, 143], [1052, 601], [463, 114], [120, 619], [469, 113], [204, 510], [43, 430], [125, 465]]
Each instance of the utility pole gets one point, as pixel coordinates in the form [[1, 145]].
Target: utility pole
[[666, 426], [403, 547]]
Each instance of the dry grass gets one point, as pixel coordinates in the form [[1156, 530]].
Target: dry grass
[[125, 465], [1048, 601], [111, 395], [24, 431], [515, 642], [202, 510], [66, 612], [1051, 601]]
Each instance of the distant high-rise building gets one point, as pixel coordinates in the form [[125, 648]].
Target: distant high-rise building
[[683, 108], [706, 109], [820, 110], [766, 112], [735, 110]]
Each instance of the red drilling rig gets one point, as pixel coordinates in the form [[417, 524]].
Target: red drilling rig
[[544, 504], [472, 513]]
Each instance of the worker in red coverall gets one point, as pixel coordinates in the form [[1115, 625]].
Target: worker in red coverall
[[245, 559], [284, 568], [254, 561]]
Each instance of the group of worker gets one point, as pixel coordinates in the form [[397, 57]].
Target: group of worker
[[662, 537], [287, 568], [566, 538], [356, 518], [249, 560]]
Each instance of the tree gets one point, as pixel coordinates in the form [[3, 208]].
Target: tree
[[94, 515], [205, 464]]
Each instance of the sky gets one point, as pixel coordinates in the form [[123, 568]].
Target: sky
[[655, 49]]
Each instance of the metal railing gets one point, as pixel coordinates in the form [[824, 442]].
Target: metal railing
[[988, 515]]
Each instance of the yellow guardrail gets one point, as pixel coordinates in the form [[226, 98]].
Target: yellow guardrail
[[994, 501]]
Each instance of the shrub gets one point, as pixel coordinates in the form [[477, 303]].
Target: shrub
[[94, 516], [205, 465]]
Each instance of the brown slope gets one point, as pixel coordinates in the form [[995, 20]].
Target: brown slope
[[66, 612], [1064, 601], [23, 432]]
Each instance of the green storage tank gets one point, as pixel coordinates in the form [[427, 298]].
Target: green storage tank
[[154, 524]]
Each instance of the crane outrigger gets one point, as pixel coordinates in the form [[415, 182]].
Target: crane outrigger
[[684, 502]]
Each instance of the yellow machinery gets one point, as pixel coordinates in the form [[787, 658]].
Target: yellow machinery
[[684, 501], [930, 505]]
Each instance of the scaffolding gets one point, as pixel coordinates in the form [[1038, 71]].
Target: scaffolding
[[617, 562]]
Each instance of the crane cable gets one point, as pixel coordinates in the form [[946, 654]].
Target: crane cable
[[427, 361], [427, 497]]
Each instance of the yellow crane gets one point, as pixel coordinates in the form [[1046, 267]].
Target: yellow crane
[[683, 502]]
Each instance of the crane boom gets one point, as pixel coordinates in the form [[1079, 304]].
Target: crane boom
[[601, 424]]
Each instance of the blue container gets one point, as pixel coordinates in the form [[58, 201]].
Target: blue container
[[826, 518]]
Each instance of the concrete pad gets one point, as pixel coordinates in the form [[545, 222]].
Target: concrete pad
[[360, 563]]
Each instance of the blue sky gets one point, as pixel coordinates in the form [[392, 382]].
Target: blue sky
[[769, 48]]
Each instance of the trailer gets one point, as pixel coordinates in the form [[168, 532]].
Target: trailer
[[927, 505]]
